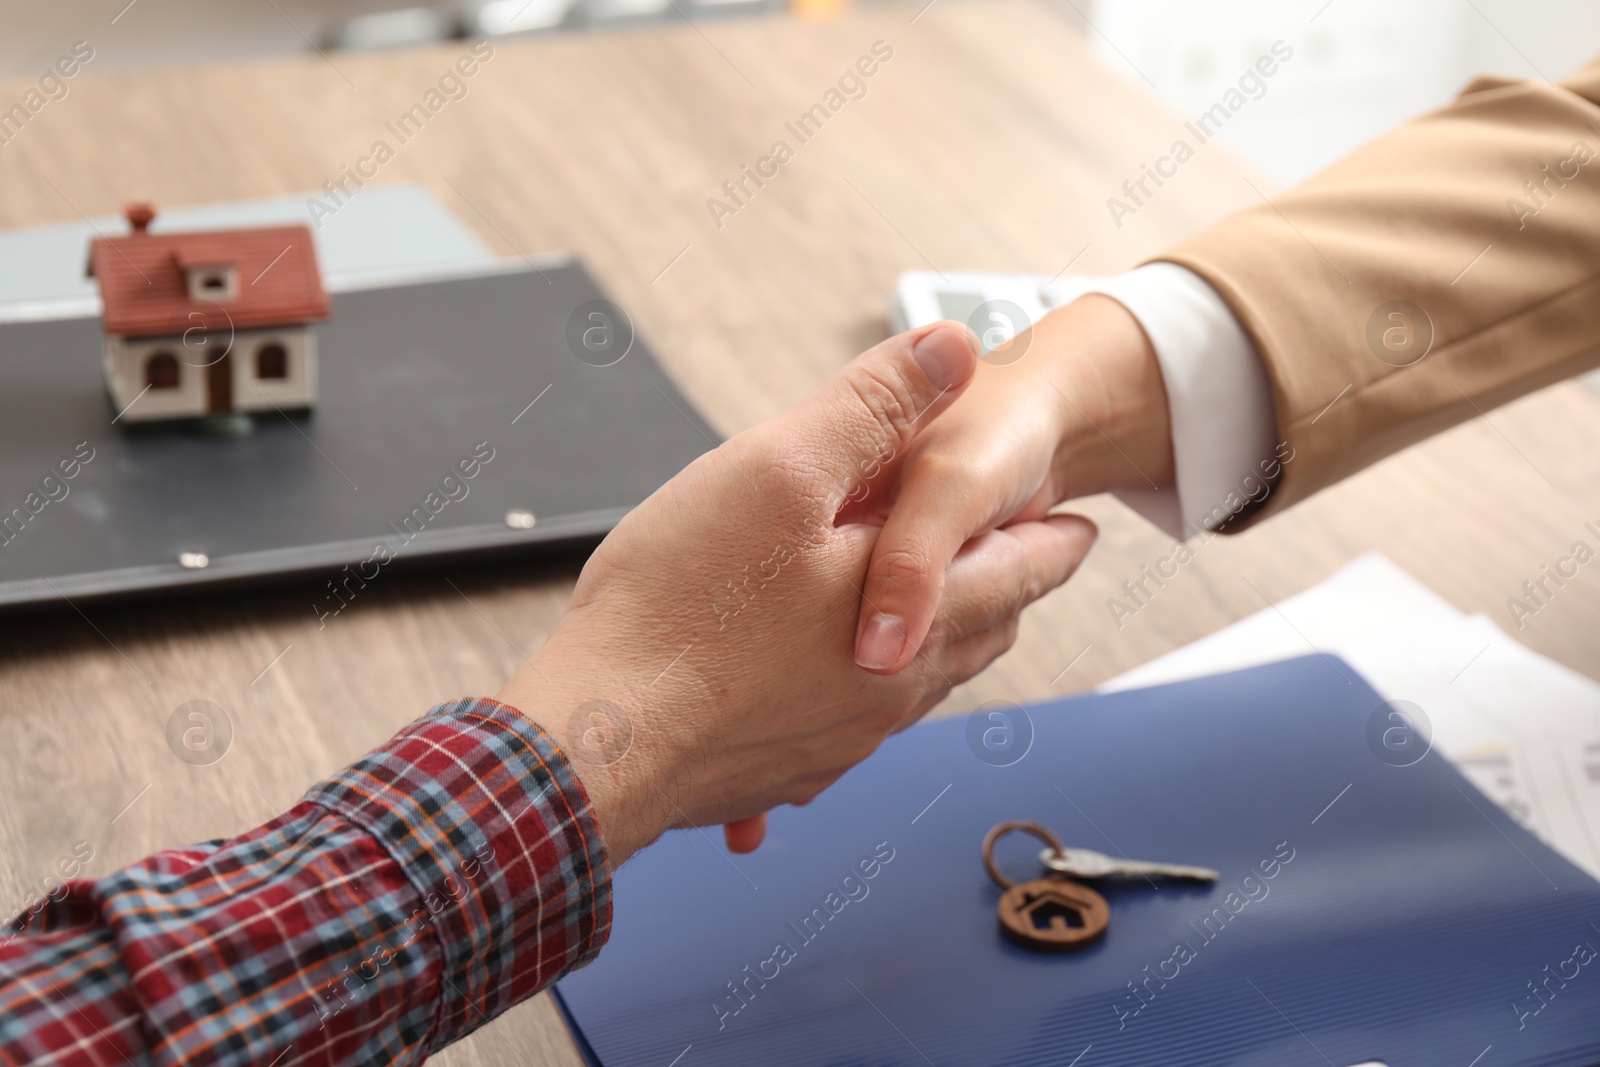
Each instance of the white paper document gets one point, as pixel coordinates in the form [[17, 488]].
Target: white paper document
[[1524, 729]]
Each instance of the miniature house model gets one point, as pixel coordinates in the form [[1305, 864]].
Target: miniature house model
[[208, 323]]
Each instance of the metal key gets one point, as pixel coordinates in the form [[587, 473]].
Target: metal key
[[1086, 863]]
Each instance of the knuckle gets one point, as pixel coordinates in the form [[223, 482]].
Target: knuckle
[[787, 477], [934, 469], [960, 669], [1026, 582], [801, 792], [975, 614], [1006, 639], [887, 398], [902, 565], [1028, 590], [1006, 606], [791, 484], [985, 650], [992, 644], [858, 748], [944, 462]]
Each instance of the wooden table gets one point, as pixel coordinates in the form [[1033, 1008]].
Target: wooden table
[[989, 142]]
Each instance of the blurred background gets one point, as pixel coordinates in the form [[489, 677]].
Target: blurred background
[[1363, 65]]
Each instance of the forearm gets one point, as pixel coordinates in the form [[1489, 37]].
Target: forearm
[[406, 901], [1442, 269]]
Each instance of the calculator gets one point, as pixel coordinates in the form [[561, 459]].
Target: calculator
[[996, 306]]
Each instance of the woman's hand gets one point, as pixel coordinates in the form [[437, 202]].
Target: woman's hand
[[1081, 411], [705, 672]]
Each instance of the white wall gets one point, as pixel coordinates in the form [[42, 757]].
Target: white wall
[[1360, 66]]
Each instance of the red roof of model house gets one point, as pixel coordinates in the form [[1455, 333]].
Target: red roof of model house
[[144, 278]]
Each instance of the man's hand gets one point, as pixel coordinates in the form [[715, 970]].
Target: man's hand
[[705, 670], [1083, 411]]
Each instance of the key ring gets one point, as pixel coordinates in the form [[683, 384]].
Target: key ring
[[1051, 913], [1043, 833]]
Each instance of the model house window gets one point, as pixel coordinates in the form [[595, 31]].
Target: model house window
[[213, 283], [272, 362], [161, 371]]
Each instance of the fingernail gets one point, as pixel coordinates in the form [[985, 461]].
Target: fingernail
[[945, 356], [882, 640]]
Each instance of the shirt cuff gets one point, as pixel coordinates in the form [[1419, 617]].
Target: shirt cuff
[[491, 826], [1219, 400]]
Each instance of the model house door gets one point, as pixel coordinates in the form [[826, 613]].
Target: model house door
[[219, 384]]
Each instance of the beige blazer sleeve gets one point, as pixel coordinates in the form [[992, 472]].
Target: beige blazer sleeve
[[1449, 266]]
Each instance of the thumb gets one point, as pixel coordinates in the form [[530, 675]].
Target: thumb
[[862, 418]]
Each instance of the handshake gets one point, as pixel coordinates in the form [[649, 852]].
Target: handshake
[[762, 622]]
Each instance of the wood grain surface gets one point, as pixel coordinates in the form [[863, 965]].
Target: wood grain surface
[[990, 141]]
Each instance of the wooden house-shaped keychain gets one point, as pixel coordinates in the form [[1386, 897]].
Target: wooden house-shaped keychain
[[208, 323]]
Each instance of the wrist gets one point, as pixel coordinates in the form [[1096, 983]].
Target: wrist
[[598, 734], [1110, 401]]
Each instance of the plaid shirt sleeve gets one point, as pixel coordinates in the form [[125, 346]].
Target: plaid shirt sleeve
[[404, 902]]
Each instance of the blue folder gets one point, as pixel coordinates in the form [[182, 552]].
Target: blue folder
[[1372, 906]]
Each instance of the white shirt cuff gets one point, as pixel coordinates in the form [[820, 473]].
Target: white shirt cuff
[[1224, 430]]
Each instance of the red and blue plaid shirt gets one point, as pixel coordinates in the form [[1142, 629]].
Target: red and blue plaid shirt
[[406, 901]]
